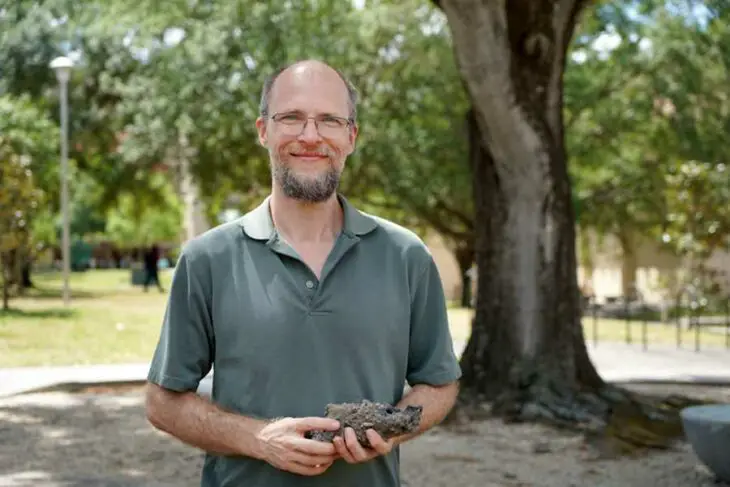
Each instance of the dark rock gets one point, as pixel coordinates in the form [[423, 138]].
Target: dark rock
[[388, 421]]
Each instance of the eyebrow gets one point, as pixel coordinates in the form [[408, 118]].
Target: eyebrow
[[325, 114]]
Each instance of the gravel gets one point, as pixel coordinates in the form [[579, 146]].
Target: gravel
[[101, 438]]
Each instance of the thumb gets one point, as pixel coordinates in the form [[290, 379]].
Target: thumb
[[316, 423]]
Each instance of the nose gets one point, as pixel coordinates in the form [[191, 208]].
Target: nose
[[309, 133]]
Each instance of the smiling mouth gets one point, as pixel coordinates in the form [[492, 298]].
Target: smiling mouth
[[308, 155]]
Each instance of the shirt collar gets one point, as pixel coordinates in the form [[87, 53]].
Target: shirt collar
[[258, 224]]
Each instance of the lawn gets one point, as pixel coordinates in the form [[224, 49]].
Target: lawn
[[110, 321]]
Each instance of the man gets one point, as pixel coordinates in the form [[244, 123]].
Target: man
[[302, 302]]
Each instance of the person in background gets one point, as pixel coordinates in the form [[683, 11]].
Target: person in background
[[151, 258]]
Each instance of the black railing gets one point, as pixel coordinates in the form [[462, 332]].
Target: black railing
[[699, 320]]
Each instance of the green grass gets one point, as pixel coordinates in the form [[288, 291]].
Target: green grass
[[110, 321]]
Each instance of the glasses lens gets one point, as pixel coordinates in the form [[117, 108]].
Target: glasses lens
[[331, 125], [293, 123]]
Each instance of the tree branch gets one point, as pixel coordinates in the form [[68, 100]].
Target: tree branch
[[458, 214], [434, 220]]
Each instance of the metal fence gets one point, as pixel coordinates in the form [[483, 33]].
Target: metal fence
[[691, 321]]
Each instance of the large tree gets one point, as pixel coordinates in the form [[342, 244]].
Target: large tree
[[527, 353], [527, 332], [26, 148]]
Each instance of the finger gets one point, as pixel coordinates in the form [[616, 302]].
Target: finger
[[354, 446], [342, 450], [377, 442], [312, 447], [303, 425]]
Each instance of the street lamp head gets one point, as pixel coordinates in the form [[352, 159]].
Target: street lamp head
[[62, 66]]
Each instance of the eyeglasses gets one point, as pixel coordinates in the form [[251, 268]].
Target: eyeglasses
[[293, 123]]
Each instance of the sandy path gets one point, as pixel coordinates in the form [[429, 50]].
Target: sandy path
[[75, 440]]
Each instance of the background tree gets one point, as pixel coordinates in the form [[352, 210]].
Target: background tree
[[179, 96], [693, 106], [416, 135], [647, 74], [26, 145], [610, 117], [32, 33], [134, 224]]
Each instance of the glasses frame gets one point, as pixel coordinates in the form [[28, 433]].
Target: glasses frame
[[276, 118]]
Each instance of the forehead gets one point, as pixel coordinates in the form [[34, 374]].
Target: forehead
[[309, 88]]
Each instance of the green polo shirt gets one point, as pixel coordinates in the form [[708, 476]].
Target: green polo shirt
[[284, 343]]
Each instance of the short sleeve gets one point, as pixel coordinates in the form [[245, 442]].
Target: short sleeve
[[185, 350], [431, 357]]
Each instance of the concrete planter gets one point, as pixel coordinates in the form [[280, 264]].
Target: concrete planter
[[707, 429]]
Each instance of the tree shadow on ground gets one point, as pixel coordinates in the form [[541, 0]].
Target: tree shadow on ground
[[61, 439], [62, 313], [42, 292], [97, 439]]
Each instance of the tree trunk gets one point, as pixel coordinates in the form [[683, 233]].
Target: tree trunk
[[26, 271], [194, 218], [527, 341], [21, 258], [629, 264], [6, 281], [586, 259]]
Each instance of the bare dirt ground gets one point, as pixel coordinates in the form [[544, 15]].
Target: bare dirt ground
[[101, 438]]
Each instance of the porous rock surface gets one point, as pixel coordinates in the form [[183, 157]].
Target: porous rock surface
[[388, 421]]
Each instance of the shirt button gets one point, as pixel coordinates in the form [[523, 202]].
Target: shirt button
[[309, 284]]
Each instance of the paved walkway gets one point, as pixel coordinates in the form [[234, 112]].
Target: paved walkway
[[616, 362]]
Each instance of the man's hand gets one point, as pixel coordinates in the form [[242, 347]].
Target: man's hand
[[284, 446], [353, 452]]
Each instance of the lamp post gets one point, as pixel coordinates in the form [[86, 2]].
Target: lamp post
[[62, 66]]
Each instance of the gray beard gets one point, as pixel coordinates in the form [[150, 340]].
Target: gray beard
[[306, 190]]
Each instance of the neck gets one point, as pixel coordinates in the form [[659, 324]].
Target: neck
[[302, 222]]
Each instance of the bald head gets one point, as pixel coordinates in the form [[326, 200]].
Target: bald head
[[307, 73]]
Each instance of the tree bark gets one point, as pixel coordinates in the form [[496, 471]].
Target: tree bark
[[26, 267], [527, 340], [629, 263], [26, 281], [6, 280], [586, 253]]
